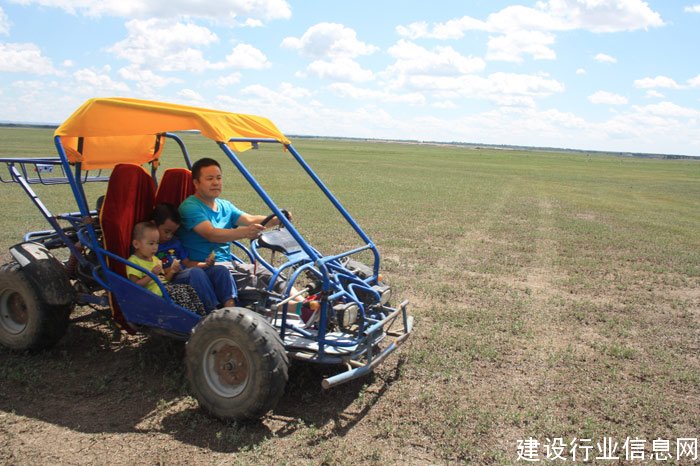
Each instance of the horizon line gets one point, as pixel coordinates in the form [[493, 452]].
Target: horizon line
[[474, 145]]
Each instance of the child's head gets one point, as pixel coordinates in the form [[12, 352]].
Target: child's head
[[145, 239], [167, 219]]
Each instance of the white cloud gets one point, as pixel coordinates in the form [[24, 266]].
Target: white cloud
[[647, 129], [631, 130], [648, 123], [295, 115], [164, 45], [97, 82], [356, 93], [30, 92], [412, 59], [518, 30], [24, 58], [57, 100], [604, 15], [146, 80], [68, 63], [553, 118], [525, 126], [4, 23], [580, 71], [225, 81], [340, 69], [640, 129], [328, 41], [452, 29], [523, 85], [219, 10], [694, 82], [419, 30], [333, 47], [518, 18], [692, 9], [295, 92], [667, 109], [252, 23], [659, 81], [604, 58], [248, 57], [508, 89], [511, 46], [652, 94], [171, 46], [445, 104], [551, 15], [607, 98], [189, 94], [29, 86], [264, 100]]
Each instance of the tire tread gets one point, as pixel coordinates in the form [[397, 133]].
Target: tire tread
[[268, 348], [53, 320]]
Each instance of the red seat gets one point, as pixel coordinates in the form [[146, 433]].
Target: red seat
[[175, 186], [129, 199]]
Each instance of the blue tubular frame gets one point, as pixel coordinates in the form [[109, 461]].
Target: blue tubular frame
[[171, 317], [321, 266], [37, 178], [241, 246], [338, 206], [79, 195], [264, 196], [51, 219], [179, 142], [310, 252]]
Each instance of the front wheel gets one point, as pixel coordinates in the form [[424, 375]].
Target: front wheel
[[236, 364], [26, 321]]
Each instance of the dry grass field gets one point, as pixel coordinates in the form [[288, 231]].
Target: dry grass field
[[556, 296]]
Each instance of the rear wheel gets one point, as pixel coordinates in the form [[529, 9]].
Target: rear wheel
[[26, 321], [236, 364]]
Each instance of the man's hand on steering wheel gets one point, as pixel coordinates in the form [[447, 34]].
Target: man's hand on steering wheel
[[253, 230], [277, 221]]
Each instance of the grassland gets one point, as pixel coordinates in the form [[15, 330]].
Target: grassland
[[555, 295]]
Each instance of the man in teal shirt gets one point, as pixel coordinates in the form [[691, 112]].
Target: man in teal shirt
[[222, 216], [210, 224]]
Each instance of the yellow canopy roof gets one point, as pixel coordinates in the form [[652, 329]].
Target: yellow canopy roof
[[107, 131]]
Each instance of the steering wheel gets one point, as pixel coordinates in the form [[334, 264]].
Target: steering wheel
[[271, 216]]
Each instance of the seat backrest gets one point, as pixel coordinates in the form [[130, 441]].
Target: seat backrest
[[175, 186], [130, 199]]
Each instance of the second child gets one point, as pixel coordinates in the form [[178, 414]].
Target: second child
[[213, 283], [145, 243]]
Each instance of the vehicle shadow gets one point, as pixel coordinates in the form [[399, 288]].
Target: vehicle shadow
[[305, 405], [93, 383]]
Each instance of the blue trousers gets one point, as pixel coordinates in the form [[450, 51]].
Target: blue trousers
[[214, 285]]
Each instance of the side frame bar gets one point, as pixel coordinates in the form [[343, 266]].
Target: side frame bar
[[318, 260]]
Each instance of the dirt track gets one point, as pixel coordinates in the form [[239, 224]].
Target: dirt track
[[95, 400]]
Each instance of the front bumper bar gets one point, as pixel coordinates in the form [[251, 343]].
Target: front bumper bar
[[357, 369]]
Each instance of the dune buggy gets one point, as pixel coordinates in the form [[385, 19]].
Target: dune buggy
[[236, 358]]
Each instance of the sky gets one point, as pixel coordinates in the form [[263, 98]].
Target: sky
[[610, 75]]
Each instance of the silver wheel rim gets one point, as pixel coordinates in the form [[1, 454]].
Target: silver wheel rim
[[13, 312], [226, 367]]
